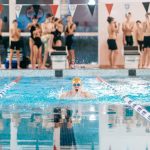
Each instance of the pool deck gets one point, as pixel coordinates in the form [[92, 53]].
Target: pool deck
[[75, 72]]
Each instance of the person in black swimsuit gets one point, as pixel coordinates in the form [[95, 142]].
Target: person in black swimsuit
[[69, 32], [32, 27], [113, 30], [37, 48], [127, 28], [58, 31]]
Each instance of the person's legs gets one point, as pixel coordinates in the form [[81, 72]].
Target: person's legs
[[48, 48], [0, 62], [10, 58], [110, 57], [72, 56], [114, 57], [45, 56], [50, 43], [31, 44], [146, 58], [35, 50], [18, 58], [148, 61], [39, 57]]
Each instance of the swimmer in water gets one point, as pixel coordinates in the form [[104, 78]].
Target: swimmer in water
[[76, 91]]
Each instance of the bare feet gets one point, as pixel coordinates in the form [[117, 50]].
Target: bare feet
[[18, 67], [43, 67], [10, 67]]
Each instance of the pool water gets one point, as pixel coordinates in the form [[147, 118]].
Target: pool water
[[43, 91], [33, 117]]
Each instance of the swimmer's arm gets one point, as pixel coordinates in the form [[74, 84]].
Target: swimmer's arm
[[144, 26], [64, 95], [114, 28], [61, 28], [43, 29], [123, 27], [71, 30], [89, 95], [29, 26], [1, 24], [12, 32]]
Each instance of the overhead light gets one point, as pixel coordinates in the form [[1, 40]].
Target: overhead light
[[92, 109], [91, 2], [92, 117]]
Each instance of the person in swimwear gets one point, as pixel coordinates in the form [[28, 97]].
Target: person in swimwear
[[32, 27], [58, 31], [127, 28], [140, 40], [15, 43], [113, 30], [146, 29], [37, 47], [69, 33], [47, 37], [76, 91]]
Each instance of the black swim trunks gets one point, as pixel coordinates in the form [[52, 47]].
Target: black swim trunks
[[129, 40], [15, 45], [57, 36], [112, 45], [146, 41], [37, 42], [141, 45], [69, 42]]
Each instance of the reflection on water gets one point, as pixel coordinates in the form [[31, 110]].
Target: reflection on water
[[74, 127]]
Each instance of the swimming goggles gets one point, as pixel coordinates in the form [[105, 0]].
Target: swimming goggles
[[78, 84]]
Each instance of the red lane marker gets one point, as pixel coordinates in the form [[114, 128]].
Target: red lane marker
[[17, 79]]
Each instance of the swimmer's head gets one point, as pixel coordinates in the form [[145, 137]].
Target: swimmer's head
[[15, 23], [69, 18], [110, 19], [49, 17], [147, 15], [76, 83], [128, 15], [138, 23]]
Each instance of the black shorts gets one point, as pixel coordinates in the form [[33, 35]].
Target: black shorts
[[141, 45], [69, 42], [129, 40], [146, 41], [112, 45], [15, 45], [38, 42]]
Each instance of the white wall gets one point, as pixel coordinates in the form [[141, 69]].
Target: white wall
[[118, 12]]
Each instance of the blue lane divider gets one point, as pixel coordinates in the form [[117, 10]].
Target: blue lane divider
[[138, 108], [8, 87]]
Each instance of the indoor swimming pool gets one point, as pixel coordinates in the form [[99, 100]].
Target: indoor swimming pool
[[33, 117]]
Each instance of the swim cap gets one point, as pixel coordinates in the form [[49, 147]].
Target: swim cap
[[76, 80]]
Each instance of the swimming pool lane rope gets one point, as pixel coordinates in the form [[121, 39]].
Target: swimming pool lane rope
[[8, 87], [138, 108]]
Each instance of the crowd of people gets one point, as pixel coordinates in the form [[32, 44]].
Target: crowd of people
[[48, 34], [140, 29]]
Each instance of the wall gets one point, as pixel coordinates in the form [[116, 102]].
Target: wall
[[118, 12]]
